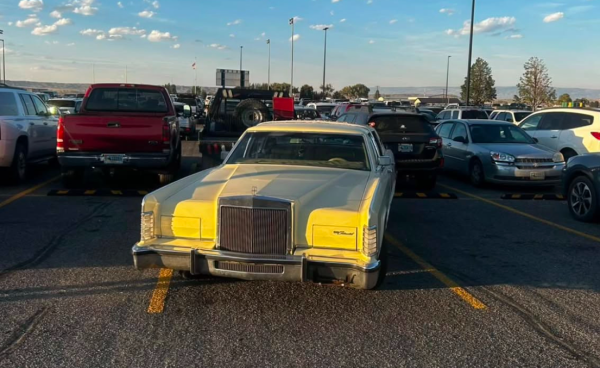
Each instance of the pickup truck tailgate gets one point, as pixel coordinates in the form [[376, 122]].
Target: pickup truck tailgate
[[114, 133]]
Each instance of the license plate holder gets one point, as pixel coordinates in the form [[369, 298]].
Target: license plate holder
[[537, 175], [405, 147], [113, 159]]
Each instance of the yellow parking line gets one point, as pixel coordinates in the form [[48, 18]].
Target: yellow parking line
[[116, 192], [28, 191], [454, 287], [142, 192], [560, 196], [515, 196], [444, 195], [538, 196], [157, 302], [532, 217], [61, 192], [421, 195], [89, 192]]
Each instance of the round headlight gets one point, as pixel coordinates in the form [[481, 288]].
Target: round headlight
[[558, 157]]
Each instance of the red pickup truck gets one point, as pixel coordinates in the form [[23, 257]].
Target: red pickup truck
[[120, 126]]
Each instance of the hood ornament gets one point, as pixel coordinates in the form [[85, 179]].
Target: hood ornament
[[254, 190]]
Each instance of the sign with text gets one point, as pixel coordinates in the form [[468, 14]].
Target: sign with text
[[232, 78]]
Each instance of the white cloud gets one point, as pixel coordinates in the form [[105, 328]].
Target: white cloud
[[320, 27], [10, 23], [63, 22], [232, 35], [34, 5], [369, 2], [514, 37], [44, 30], [91, 32], [56, 14], [263, 34], [554, 17], [217, 46], [176, 46], [371, 42], [51, 43], [143, 36], [146, 14], [342, 20], [157, 36], [120, 5], [485, 26], [101, 37], [126, 31], [297, 19], [335, 1], [296, 38], [447, 11], [393, 21], [155, 4], [85, 7], [235, 22], [71, 44], [27, 22]]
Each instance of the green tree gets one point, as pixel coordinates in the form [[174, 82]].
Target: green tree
[[581, 102], [171, 88], [360, 90], [328, 90], [482, 84], [307, 91], [516, 99], [203, 94], [564, 98], [377, 94], [535, 85], [337, 95], [595, 104]]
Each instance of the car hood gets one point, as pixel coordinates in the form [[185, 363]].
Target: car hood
[[518, 149]]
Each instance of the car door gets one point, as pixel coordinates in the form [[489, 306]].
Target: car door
[[457, 150], [444, 130], [49, 126], [35, 130], [549, 129], [387, 174]]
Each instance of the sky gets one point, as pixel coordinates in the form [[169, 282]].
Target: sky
[[390, 43]]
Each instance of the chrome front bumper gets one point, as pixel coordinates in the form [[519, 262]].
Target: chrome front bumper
[[134, 160], [256, 267], [521, 174]]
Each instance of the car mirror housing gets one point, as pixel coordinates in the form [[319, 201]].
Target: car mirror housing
[[460, 139], [187, 111], [384, 161]]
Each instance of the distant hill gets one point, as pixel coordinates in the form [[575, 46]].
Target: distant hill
[[503, 92], [80, 87]]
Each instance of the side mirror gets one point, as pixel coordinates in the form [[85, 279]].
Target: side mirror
[[460, 139], [53, 111], [385, 161], [536, 140], [187, 111]]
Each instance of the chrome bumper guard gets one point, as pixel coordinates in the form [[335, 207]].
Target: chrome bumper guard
[[256, 267]]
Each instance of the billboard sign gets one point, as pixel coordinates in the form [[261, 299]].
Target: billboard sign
[[232, 78]]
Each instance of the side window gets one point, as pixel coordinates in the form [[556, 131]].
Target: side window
[[351, 118], [509, 117], [39, 105], [342, 118], [551, 121], [28, 104], [455, 114], [501, 116], [445, 130], [380, 149], [572, 121], [459, 131], [531, 123], [8, 104]]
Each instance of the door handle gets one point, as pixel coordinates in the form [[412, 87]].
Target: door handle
[[554, 136], [114, 124], [45, 123], [32, 124], [449, 145]]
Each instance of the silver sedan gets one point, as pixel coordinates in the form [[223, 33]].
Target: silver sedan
[[498, 152]]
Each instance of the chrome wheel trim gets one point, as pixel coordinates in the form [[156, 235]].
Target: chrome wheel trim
[[476, 173], [581, 199], [252, 118], [21, 165]]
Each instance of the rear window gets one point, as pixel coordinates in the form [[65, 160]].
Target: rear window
[[401, 124], [474, 114], [62, 103], [127, 100], [521, 115], [8, 104]]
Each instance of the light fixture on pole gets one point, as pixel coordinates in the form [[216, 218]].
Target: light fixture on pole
[[241, 72], [470, 53], [269, 67], [324, 60], [447, 76], [292, 21], [3, 60]]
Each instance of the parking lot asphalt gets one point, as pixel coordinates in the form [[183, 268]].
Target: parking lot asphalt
[[475, 281]]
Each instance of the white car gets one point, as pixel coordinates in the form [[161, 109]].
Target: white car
[[324, 108], [571, 131], [512, 116], [27, 131], [66, 105]]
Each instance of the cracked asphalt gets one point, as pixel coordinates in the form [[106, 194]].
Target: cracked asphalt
[[69, 296]]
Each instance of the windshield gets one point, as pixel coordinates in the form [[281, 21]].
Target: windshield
[[305, 149], [62, 103], [488, 133], [325, 110]]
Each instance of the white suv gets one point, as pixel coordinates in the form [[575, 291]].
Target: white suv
[[27, 131], [512, 116], [571, 131]]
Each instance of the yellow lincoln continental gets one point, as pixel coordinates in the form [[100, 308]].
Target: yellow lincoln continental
[[293, 201]]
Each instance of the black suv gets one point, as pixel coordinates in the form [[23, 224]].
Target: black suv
[[416, 146]]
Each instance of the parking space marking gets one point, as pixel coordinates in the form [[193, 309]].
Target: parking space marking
[[421, 195], [98, 193], [28, 191], [427, 195], [89, 192], [537, 197], [157, 302], [524, 214], [453, 286]]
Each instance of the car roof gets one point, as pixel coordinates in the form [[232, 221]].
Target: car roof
[[321, 126], [129, 85], [479, 122], [4, 86], [570, 109], [499, 111]]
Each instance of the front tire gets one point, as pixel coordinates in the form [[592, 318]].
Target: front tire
[[476, 174], [18, 168], [583, 200]]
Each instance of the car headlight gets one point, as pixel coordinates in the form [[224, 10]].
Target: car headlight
[[369, 248], [558, 157], [147, 228], [502, 157]]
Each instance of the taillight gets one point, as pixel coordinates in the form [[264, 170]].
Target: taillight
[[436, 141], [166, 133], [372, 124], [596, 135], [60, 132], [216, 148]]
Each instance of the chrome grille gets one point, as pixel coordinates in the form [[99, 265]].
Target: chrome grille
[[248, 267], [258, 227], [534, 160]]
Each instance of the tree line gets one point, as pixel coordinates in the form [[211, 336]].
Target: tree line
[[534, 87], [309, 92]]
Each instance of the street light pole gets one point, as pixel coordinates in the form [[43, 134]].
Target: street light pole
[[447, 76], [3, 60], [292, 78], [269, 68], [470, 53], [324, 60]]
